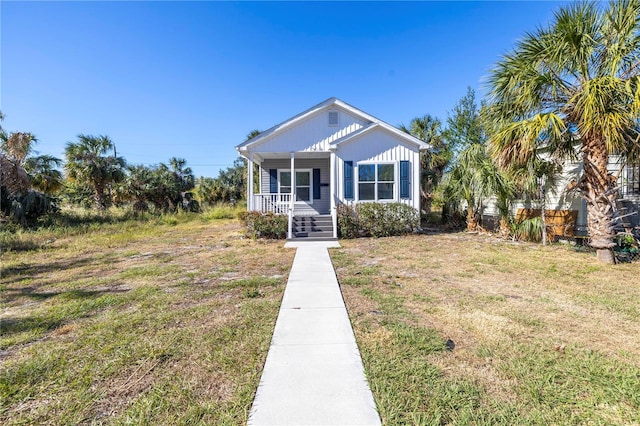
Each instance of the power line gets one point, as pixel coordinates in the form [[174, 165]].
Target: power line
[[192, 165]]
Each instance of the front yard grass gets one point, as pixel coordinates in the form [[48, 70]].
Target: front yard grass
[[535, 335], [168, 321], [138, 322]]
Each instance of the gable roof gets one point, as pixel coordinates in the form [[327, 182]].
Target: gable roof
[[326, 105]]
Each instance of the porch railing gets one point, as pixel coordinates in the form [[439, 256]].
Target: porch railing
[[272, 203]]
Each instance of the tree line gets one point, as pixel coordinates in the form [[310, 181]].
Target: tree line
[[95, 177], [459, 174]]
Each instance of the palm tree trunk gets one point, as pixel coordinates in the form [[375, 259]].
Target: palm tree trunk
[[445, 213], [98, 198], [543, 218], [426, 199], [505, 229], [598, 188], [472, 222]]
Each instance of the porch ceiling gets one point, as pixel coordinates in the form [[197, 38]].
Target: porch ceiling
[[287, 155]]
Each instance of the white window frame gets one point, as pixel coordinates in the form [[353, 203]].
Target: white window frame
[[310, 171], [376, 181]]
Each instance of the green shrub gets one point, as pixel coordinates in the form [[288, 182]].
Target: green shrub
[[627, 241], [348, 226], [267, 225], [28, 207], [528, 230], [377, 220]]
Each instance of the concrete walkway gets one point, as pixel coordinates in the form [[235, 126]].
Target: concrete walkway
[[313, 374]]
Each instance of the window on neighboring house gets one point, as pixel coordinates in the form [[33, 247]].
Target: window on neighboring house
[[376, 182], [631, 185], [303, 184]]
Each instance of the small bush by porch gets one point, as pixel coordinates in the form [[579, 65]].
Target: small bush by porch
[[265, 225]]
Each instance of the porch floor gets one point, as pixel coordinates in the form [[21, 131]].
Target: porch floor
[[313, 374]]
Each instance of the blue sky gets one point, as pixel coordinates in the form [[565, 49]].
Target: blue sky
[[192, 79]]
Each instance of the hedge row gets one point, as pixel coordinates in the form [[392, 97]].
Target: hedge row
[[377, 220]]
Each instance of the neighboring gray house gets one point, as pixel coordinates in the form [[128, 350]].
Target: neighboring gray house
[[339, 154], [559, 198], [629, 182]]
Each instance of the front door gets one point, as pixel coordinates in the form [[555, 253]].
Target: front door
[[304, 184]]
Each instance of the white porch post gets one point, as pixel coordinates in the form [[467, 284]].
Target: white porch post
[[332, 191], [293, 193], [250, 201], [415, 181], [293, 178]]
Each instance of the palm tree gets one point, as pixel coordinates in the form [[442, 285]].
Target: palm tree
[[21, 173], [14, 150], [44, 173], [39, 172], [252, 134], [573, 85], [138, 187], [473, 178], [183, 174], [17, 146], [434, 161], [88, 162]]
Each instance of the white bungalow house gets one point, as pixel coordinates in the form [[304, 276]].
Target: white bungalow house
[[339, 154]]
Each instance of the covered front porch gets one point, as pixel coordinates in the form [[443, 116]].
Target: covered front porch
[[297, 184]]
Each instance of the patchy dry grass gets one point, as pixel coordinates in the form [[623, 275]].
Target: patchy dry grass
[[161, 321], [541, 335], [168, 321]]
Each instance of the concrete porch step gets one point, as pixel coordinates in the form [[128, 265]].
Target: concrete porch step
[[316, 234], [318, 227], [313, 238], [312, 228]]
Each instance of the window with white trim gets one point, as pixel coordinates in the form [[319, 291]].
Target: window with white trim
[[376, 182], [303, 184]]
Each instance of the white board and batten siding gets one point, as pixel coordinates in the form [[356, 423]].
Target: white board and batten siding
[[321, 206], [311, 135], [379, 146], [558, 198]]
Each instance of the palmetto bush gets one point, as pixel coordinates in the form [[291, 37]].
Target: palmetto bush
[[527, 230], [26, 207]]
